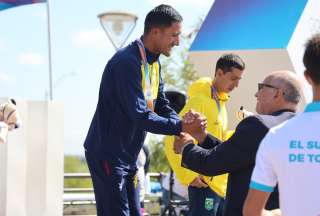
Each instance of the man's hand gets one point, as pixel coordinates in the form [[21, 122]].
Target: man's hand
[[181, 141], [198, 182], [195, 124]]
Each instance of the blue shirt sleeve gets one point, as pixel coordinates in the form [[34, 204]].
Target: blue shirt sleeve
[[129, 94]]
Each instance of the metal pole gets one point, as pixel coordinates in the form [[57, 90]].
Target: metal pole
[[128, 35], [49, 52]]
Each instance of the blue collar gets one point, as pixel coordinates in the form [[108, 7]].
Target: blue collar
[[151, 57], [313, 107]]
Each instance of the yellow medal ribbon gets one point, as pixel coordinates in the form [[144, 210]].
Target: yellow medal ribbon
[[135, 180], [150, 77]]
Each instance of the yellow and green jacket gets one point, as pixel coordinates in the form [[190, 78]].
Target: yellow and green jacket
[[200, 100]]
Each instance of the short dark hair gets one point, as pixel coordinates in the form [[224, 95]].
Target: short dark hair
[[311, 58], [161, 16], [229, 61]]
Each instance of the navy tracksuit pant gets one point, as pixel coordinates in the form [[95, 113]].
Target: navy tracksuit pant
[[115, 188], [204, 202]]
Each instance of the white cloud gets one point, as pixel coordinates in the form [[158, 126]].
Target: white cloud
[[30, 58], [4, 76], [95, 38]]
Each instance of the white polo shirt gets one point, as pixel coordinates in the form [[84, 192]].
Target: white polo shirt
[[290, 156]]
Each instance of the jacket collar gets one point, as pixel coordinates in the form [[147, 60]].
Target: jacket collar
[[151, 57], [276, 113], [223, 96]]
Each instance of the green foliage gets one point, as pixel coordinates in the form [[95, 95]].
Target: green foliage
[[158, 160], [178, 71], [76, 164]]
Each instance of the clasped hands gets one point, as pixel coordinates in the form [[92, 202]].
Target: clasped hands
[[194, 126]]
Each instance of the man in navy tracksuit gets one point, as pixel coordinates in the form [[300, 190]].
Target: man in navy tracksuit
[[131, 103]]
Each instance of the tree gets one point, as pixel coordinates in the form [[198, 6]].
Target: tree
[[158, 160], [178, 71]]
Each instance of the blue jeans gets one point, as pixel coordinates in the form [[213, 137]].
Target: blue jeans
[[204, 202], [114, 188]]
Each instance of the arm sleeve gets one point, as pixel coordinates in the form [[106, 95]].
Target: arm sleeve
[[131, 98], [263, 177], [210, 142], [237, 152], [162, 107]]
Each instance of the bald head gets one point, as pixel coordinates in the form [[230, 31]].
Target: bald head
[[290, 84], [279, 90]]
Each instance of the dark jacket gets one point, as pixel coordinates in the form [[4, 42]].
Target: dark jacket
[[122, 118], [235, 156]]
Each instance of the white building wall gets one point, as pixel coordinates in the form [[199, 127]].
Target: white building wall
[[31, 162]]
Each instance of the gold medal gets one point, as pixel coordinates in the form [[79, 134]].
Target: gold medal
[[150, 105]]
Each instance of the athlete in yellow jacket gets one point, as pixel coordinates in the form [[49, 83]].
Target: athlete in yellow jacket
[[208, 96]]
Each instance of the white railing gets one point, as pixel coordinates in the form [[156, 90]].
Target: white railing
[[76, 196]]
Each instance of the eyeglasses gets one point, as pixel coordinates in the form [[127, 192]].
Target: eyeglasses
[[261, 85]]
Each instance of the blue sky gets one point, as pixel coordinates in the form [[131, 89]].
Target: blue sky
[[273, 20], [80, 50]]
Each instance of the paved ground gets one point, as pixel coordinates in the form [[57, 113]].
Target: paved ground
[[84, 209]]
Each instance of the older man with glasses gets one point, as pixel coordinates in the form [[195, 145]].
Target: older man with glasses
[[277, 99], [280, 160]]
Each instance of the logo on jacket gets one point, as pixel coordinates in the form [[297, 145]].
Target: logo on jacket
[[208, 204]]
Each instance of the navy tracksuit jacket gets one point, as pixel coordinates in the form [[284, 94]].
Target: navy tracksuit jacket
[[119, 126]]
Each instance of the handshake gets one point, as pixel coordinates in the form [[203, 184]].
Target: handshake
[[194, 126]]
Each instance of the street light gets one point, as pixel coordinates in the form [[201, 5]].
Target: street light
[[118, 26]]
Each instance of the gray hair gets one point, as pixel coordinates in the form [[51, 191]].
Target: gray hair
[[290, 84]]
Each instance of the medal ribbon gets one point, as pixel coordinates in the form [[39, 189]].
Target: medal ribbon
[[148, 93], [215, 97]]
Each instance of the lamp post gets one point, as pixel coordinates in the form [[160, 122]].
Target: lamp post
[[118, 26], [57, 82]]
